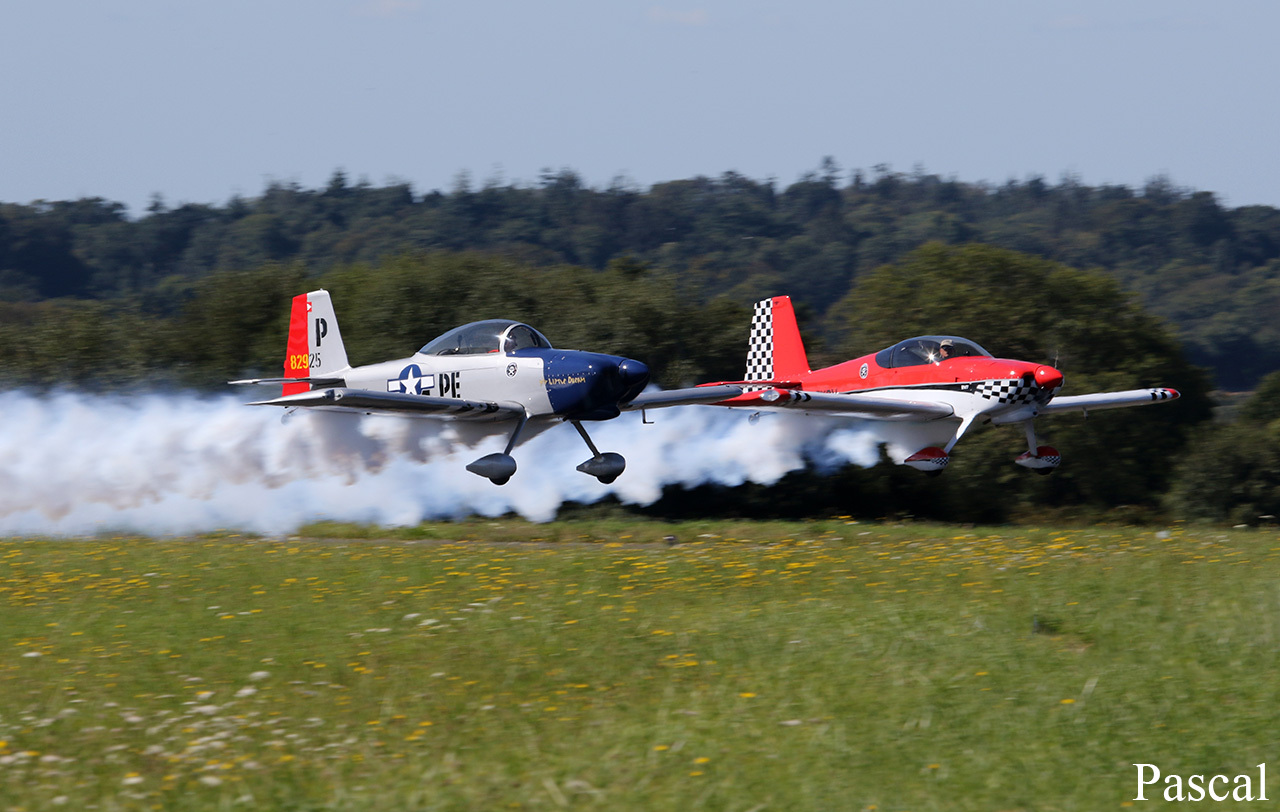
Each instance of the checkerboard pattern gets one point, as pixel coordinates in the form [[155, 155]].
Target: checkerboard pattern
[[760, 343], [1009, 390]]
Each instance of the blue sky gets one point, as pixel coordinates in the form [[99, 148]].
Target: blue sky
[[200, 101]]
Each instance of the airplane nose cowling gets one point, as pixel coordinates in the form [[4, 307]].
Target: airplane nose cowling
[[1048, 378], [592, 386]]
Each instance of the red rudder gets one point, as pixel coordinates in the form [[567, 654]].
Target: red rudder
[[775, 351], [297, 360]]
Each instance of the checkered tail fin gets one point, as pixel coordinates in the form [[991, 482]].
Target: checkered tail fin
[[775, 351], [315, 345]]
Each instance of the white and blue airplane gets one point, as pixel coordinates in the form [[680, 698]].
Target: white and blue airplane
[[498, 373]]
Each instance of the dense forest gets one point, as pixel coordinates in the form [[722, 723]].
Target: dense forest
[[1118, 287], [1212, 272]]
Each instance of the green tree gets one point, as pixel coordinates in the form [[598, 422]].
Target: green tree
[[1231, 473]]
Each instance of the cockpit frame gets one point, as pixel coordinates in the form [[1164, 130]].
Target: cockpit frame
[[484, 337], [922, 350]]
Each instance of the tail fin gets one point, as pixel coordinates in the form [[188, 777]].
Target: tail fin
[[315, 344], [775, 351]]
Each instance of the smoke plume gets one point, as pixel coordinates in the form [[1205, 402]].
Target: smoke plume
[[75, 464]]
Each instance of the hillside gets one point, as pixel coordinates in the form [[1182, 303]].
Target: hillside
[[1211, 271]]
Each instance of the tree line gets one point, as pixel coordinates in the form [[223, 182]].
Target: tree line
[[1210, 271], [1164, 461]]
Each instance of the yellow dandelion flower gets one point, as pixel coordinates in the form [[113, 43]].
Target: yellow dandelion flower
[[1068, 702], [746, 695]]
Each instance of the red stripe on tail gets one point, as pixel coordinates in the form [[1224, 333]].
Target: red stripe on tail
[[297, 360]]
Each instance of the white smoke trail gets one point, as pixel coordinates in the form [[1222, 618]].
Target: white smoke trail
[[78, 464]]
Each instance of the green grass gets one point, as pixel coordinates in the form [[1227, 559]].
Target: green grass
[[806, 666]]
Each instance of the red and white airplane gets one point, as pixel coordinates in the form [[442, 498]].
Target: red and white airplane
[[929, 389]]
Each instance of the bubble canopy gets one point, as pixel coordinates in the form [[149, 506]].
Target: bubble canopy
[[489, 336], [928, 350]]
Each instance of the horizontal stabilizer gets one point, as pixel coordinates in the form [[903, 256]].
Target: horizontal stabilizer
[[757, 384], [1108, 400], [370, 402], [311, 381], [681, 397]]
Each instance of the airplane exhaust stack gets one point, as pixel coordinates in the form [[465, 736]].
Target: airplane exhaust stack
[[497, 468]]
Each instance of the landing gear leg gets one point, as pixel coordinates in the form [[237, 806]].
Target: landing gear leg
[[932, 460], [605, 467], [498, 468], [1043, 459]]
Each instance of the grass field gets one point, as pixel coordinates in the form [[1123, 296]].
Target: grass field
[[817, 666]]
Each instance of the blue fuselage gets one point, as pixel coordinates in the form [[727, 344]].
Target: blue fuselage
[[588, 385]]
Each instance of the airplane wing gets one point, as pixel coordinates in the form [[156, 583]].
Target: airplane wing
[[681, 397], [874, 407], [312, 381], [1108, 400], [371, 402]]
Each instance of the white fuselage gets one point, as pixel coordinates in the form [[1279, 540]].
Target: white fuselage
[[494, 377]]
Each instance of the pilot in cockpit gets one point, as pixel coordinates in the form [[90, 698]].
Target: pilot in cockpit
[[946, 349]]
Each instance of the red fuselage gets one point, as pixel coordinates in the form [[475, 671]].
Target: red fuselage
[[865, 374]]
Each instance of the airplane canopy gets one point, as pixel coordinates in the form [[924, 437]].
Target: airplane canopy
[[480, 337], [927, 350]]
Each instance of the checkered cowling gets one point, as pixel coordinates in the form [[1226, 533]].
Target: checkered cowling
[[1008, 390]]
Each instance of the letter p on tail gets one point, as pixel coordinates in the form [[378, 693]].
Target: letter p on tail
[[315, 345], [775, 351]]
